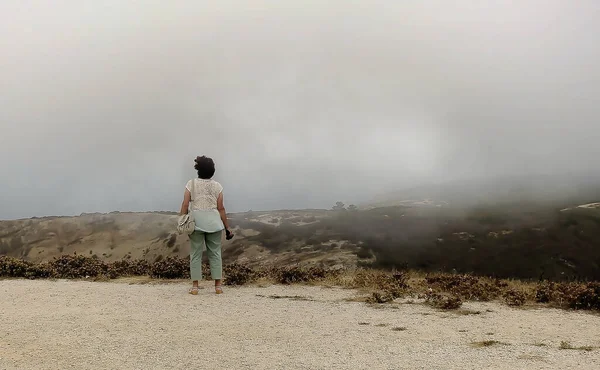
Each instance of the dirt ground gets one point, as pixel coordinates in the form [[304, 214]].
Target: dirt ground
[[116, 325]]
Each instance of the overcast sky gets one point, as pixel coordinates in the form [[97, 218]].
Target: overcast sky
[[105, 104]]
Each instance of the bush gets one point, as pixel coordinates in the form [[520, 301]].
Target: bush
[[444, 291], [291, 275], [582, 296], [236, 274], [127, 267], [514, 297], [77, 266], [466, 286], [387, 286], [171, 268], [297, 274], [380, 297], [443, 302], [13, 267], [395, 283], [39, 271], [578, 296], [545, 292]]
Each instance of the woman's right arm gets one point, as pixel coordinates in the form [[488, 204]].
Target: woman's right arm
[[222, 212]]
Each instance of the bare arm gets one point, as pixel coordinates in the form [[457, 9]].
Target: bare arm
[[222, 211], [186, 202]]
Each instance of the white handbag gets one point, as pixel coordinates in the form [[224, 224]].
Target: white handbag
[[186, 223]]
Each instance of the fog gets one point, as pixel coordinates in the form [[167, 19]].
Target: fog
[[105, 104]]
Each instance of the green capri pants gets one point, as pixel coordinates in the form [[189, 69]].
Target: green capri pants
[[212, 241]]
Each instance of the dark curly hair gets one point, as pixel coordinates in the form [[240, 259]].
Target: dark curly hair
[[205, 167]]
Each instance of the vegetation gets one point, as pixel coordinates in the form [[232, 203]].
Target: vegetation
[[443, 291], [525, 241], [519, 254], [442, 301], [567, 345], [487, 343], [514, 297]]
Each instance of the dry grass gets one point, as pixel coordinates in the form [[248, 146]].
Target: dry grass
[[467, 312], [567, 345], [292, 298], [488, 343]]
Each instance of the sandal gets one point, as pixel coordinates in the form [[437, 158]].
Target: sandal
[[194, 290], [218, 289]]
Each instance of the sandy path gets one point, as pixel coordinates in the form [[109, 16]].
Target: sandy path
[[84, 325]]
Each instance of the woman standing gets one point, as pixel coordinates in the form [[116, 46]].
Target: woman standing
[[210, 218]]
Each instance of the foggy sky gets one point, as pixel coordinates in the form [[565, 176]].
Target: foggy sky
[[104, 104]]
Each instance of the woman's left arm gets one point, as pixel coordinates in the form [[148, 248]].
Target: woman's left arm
[[187, 196]]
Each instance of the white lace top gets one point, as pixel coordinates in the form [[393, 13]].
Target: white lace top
[[205, 194], [204, 204]]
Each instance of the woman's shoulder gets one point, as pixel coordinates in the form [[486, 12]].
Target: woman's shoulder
[[217, 185]]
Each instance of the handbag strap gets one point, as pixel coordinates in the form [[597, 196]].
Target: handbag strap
[[192, 193]]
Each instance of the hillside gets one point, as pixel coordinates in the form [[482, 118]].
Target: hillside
[[521, 240], [152, 236]]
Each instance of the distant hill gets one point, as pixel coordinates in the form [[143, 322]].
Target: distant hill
[[558, 190], [110, 236], [152, 235], [522, 239]]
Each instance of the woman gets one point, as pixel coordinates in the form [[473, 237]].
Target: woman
[[210, 218]]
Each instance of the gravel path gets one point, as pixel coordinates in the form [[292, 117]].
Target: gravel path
[[85, 325]]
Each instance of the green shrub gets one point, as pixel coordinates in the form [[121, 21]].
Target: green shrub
[[583, 296], [76, 266], [13, 267], [39, 271], [171, 268], [545, 292], [297, 274], [443, 302], [514, 297], [128, 267], [380, 297], [578, 296], [236, 274], [445, 291], [467, 287]]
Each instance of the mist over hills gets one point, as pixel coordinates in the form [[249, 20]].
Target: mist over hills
[[546, 227], [551, 189]]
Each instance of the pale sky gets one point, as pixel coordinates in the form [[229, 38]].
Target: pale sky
[[104, 104]]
